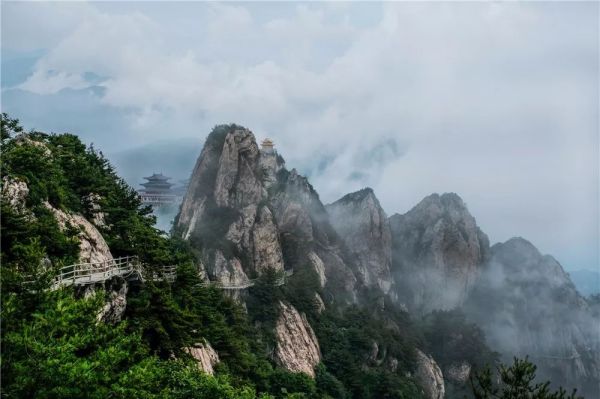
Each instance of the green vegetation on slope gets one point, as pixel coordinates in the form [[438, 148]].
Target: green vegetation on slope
[[515, 382], [53, 346]]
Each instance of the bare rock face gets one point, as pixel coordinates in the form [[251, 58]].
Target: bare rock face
[[270, 164], [297, 346], [318, 266], [437, 253], [240, 231], [246, 213], [265, 236], [92, 246], [200, 188], [116, 301], [528, 306], [224, 211], [92, 202], [459, 372], [295, 207], [15, 192], [206, 357], [429, 376], [237, 182], [363, 225], [308, 236], [228, 272]]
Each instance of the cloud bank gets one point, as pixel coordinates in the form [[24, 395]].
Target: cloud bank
[[495, 101]]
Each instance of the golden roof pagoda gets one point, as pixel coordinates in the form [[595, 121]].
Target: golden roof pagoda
[[267, 144]]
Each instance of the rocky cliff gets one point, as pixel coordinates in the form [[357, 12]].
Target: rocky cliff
[[224, 212], [297, 347], [92, 246], [205, 356], [429, 375], [438, 250], [15, 192], [528, 306], [245, 213], [363, 225], [308, 237]]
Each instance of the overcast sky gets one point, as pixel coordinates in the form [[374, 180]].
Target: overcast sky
[[497, 102]]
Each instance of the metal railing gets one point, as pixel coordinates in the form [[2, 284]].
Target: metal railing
[[130, 267], [90, 273]]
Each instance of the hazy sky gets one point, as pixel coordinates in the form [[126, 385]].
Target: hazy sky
[[497, 102]]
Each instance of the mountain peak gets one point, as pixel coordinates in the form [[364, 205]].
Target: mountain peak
[[519, 244], [357, 196], [520, 255], [363, 225], [439, 246], [448, 201]]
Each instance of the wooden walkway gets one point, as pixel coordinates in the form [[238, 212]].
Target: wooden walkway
[[130, 268]]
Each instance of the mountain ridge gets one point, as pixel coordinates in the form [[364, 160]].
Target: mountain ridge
[[431, 258], [308, 299]]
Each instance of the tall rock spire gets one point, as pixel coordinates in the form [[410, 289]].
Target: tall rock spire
[[363, 225]]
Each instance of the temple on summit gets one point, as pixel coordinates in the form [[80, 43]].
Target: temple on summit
[[267, 145]]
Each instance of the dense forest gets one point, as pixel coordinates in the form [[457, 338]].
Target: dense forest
[[55, 346]]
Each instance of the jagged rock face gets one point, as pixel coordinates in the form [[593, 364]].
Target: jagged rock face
[[246, 213], [363, 225], [226, 192], [295, 206], [437, 253], [116, 301], [206, 357], [297, 347], [308, 236], [528, 306], [267, 250], [228, 272], [92, 246], [256, 234], [200, 188], [429, 376], [237, 183]]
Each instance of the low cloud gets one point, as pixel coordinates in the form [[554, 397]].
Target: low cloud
[[495, 101]]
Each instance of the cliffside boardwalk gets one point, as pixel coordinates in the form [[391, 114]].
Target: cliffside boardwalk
[[130, 268]]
